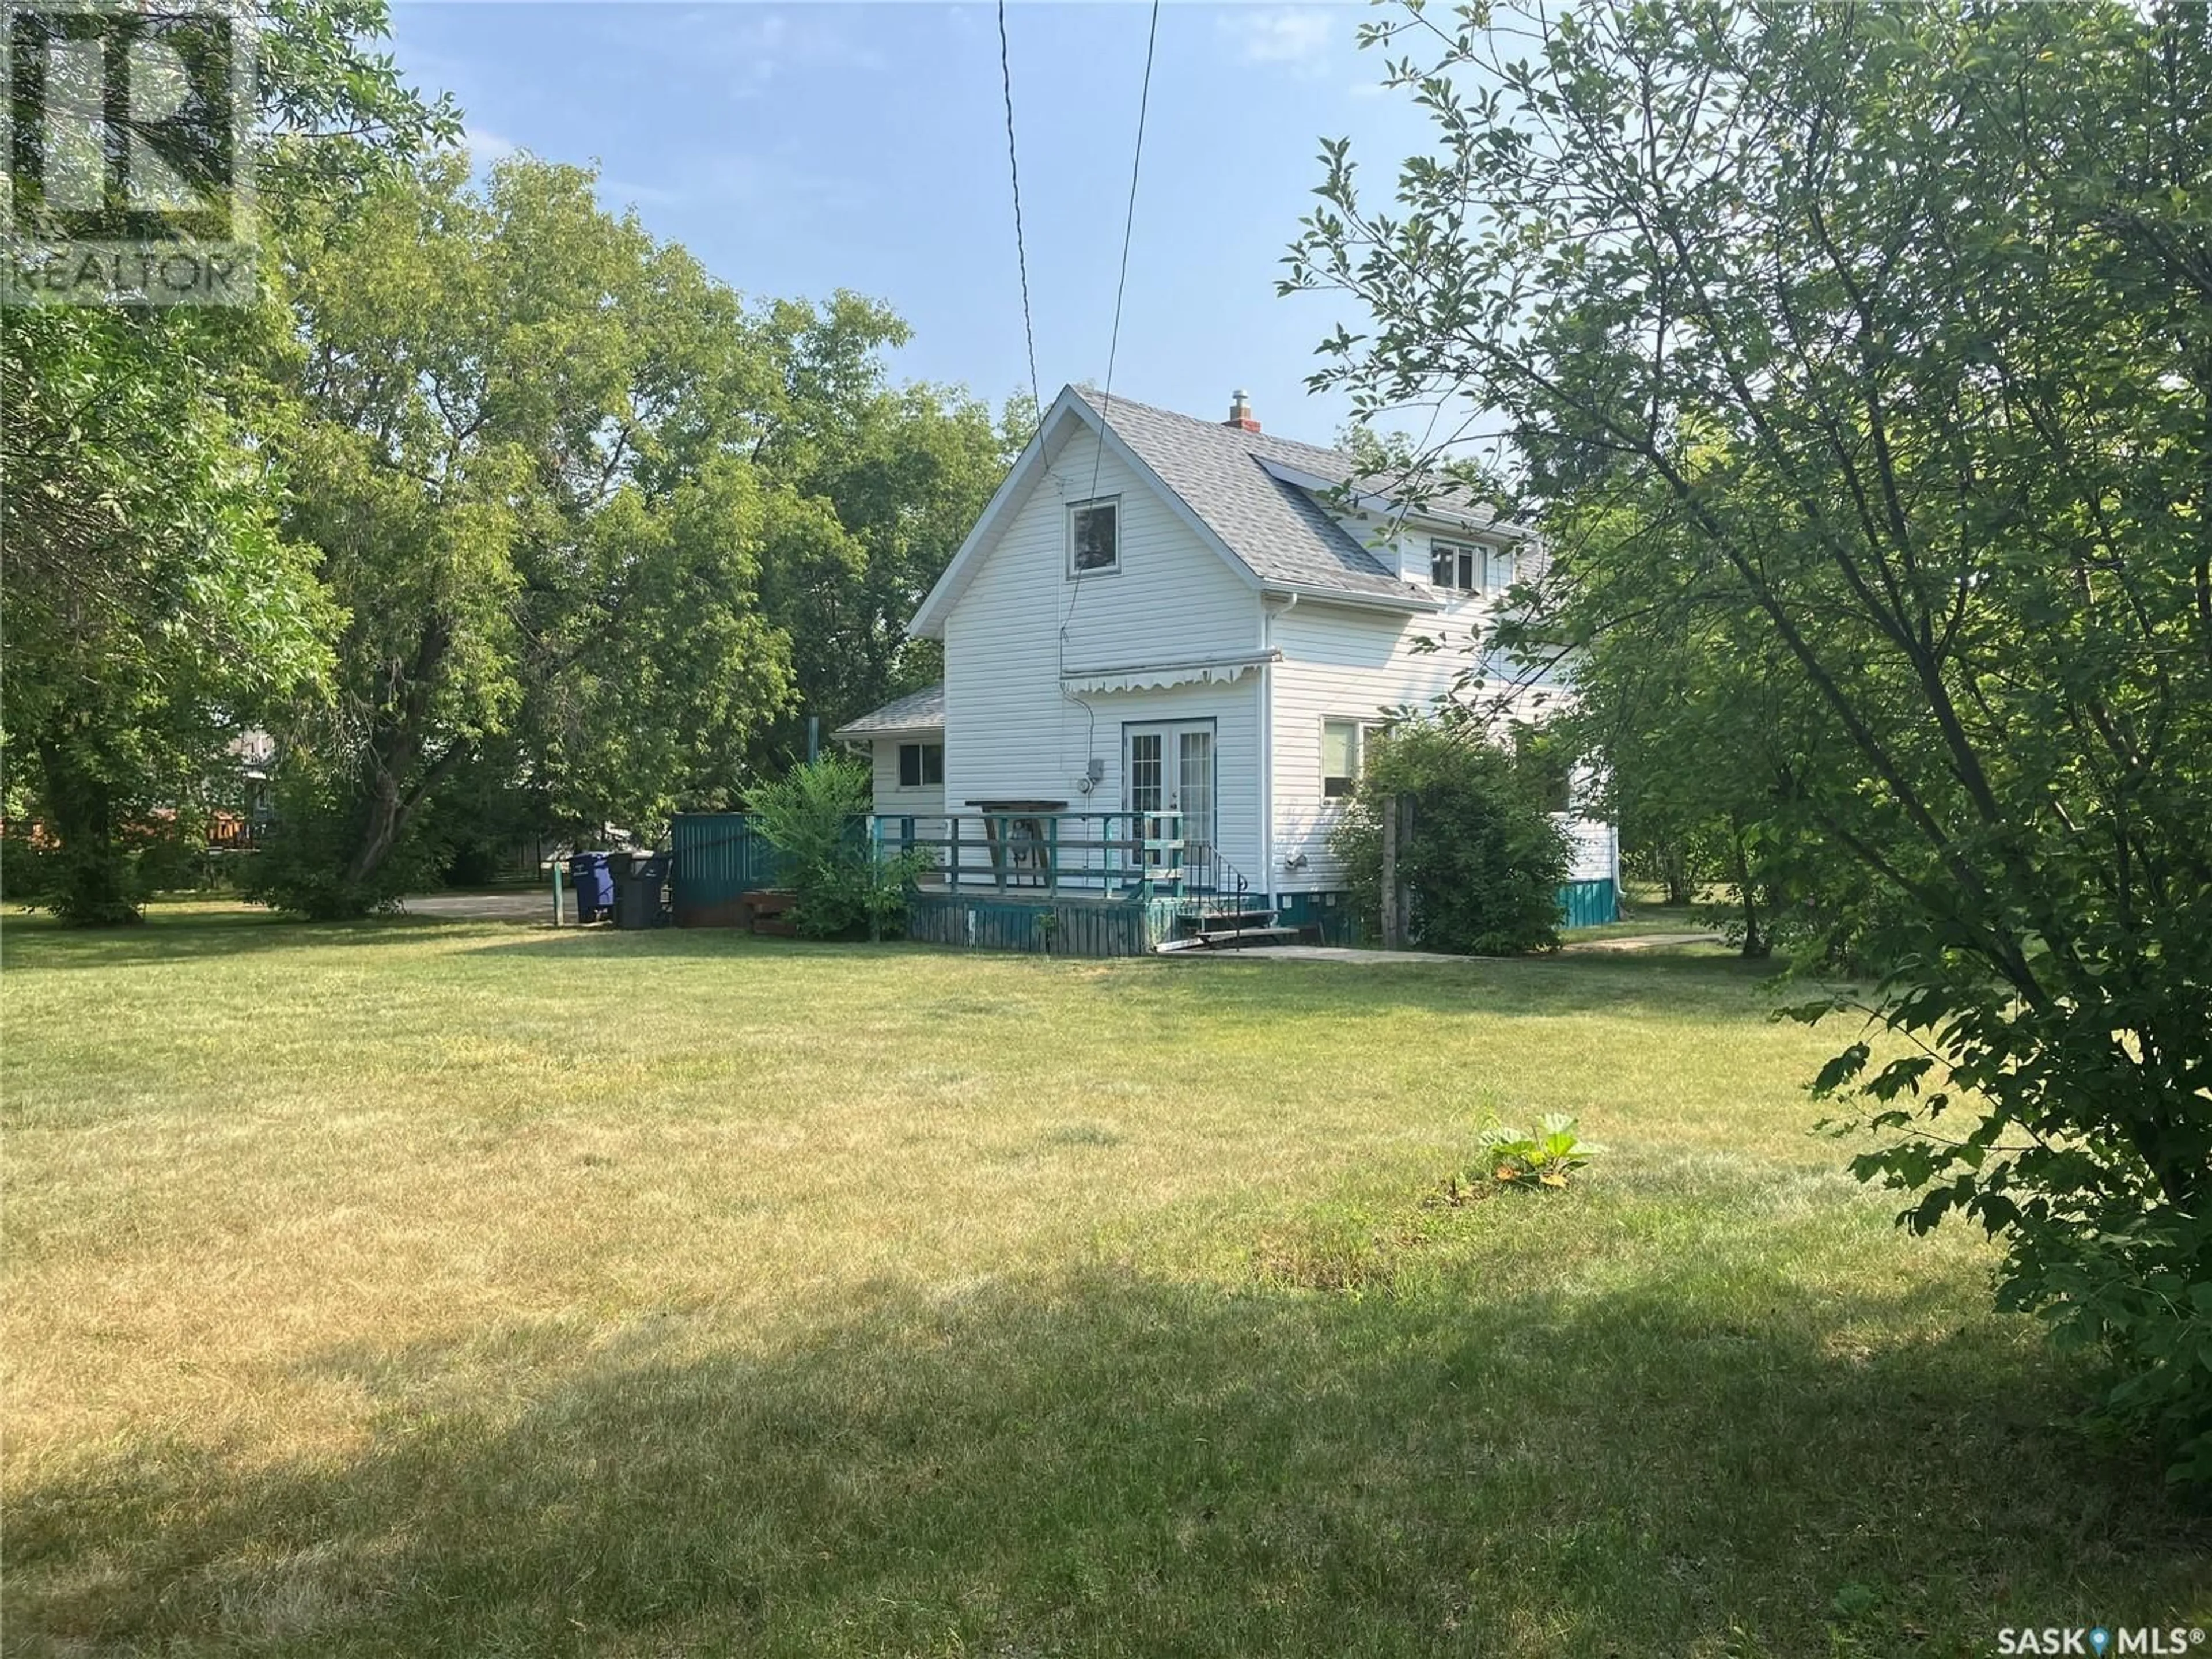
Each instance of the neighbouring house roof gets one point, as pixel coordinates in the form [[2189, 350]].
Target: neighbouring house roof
[[917, 711], [1258, 500]]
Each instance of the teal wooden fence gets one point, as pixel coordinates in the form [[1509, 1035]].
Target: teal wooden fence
[[718, 856]]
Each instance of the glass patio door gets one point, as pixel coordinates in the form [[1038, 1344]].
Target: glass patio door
[[1194, 791], [1170, 769]]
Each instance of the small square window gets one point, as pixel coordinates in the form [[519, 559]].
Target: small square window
[[920, 765], [1094, 537], [1339, 758]]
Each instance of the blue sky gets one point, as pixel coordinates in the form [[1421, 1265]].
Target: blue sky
[[797, 150]]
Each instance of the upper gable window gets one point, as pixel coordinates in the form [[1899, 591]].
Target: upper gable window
[[1094, 537], [1470, 570]]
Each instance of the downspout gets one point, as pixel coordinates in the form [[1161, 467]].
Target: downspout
[[1267, 752]]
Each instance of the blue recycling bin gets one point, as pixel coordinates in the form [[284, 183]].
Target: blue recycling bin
[[594, 883]]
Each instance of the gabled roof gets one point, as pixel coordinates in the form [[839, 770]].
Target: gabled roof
[[1277, 531], [917, 711], [1254, 499], [1225, 473]]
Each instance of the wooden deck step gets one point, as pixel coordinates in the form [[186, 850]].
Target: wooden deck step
[[1220, 921]]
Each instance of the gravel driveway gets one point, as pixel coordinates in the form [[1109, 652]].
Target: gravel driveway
[[492, 906]]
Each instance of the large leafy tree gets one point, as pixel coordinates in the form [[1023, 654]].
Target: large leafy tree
[[603, 533], [520, 449], [899, 474], [151, 607], [1700, 725], [150, 604], [1900, 319]]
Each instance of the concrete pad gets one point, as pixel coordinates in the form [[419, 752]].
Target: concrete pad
[[1394, 958], [1323, 953]]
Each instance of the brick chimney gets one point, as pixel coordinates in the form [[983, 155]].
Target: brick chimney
[[1240, 413]]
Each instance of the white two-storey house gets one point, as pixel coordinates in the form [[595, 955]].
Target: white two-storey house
[[1162, 614]]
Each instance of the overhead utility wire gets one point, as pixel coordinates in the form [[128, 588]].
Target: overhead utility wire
[[1128, 225], [1112, 350], [1021, 246]]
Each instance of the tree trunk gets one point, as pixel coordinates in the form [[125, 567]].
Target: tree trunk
[[93, 886], [393, 800], [386, 821], [392, 810], [1757, 946]]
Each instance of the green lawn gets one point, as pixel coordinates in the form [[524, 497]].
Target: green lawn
[[1644, 921], [425, 1288]]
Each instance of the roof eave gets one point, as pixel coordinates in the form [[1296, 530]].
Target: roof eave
[[927, 622], [1413, 601], [870, 733]]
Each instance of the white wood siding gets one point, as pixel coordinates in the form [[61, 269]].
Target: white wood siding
[[895, 798], [1011, 733], [1595, 849], [1339, 663]]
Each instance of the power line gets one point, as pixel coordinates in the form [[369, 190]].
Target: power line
[[1021, 247], [1128, 225], [1112, 350]]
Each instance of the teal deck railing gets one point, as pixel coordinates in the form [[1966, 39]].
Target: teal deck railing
[[1042, 854], [1106, 855]]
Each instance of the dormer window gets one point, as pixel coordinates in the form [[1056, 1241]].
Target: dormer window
[[1463, 568], [1094, 537]]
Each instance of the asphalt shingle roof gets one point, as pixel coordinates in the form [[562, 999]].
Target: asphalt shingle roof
[[917, 711], [1278, 530]]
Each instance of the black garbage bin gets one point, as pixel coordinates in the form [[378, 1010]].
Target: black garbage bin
[[639, 885], [594, 886]]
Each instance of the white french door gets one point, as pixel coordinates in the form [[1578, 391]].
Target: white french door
[[1168, 767]]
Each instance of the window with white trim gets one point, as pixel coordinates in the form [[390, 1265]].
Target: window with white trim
[[922, 765], [1094, 537], [1340, 757], [1465, 567]]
